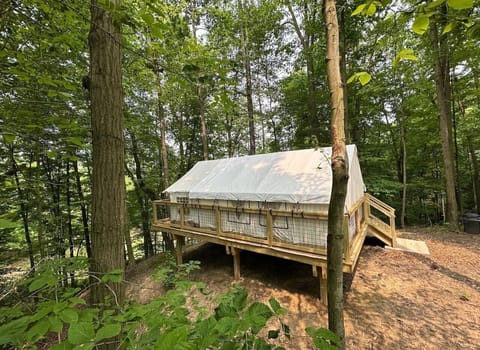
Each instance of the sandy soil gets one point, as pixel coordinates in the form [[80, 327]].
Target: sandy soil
[[395, 300]]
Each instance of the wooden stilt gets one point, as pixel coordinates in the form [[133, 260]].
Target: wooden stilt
[[236, 263], [323, 285], [315, 271], [179, 249]]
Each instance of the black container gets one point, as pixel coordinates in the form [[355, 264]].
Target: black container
[[471, 223]]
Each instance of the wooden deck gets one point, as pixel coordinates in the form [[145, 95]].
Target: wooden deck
[[315, 255]]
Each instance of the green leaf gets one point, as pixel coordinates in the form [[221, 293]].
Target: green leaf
[[323, 338], [405, 54], [62, 346], [8, 138], [77, 301], [275, 306], [39, 282], [80, 333], [434, 4], [359, 9], [257, 316], [4, 223], [69, 316], [363, 77], [448, 28], [108, 331], [421, 23], [56, 325], [171, 339], [38, 331], [460, 4], [148, 18], [115, 276], [371, 10]]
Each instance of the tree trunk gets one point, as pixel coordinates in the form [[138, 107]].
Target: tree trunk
[[68, 195], [108, 180], [403, 142], [23, 210], [336, 227], [442, 84], [83, 209], [201, 102], [342, 27], [142, 198], [248, 75], [475, 175]]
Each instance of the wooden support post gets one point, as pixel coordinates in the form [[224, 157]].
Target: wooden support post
[[154, 208], [182, 217], [323, 285], [269, 227], [358, 222], [393, 232], [236, 263], [218, 221], [346, 239], [315, 271], [179, 249]]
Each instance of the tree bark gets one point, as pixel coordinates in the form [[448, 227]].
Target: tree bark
[[24, 212], [336, 217], [83, 209], [68, 196], [142, 198], [442, 84], [248, 75], [403, 142], [306, 38], [108, 180]]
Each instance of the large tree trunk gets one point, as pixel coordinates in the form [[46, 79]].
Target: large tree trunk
[[108, 180], [336, 216], [442, 84]]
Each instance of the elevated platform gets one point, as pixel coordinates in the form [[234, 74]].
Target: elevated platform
[[358, 221]]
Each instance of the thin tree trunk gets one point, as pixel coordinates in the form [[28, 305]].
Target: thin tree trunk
[[404, 172], [201, 101], [83, 210], [342, 27], [248, 73], [475, 175], [142, 198], [69, 220], [442, 84], [336, 227], [108, 180], [23, 210]]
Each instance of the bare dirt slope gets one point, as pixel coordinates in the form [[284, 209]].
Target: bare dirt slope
[[396, 300]]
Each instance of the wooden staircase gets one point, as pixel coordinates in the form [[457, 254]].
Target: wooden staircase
[[381, 225]]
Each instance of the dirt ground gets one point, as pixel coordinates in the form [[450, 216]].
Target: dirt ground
[[395, 300]]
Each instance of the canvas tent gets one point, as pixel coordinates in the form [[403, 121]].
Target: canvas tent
[[275, 204], [293, 180]]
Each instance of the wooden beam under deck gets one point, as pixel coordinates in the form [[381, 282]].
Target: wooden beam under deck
[[308, 258]]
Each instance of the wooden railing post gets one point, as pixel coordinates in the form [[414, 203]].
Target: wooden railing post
[[218, 220], [269, 227], [346, 239], [154, 208], [182, 217]]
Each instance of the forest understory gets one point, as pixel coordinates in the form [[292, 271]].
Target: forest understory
[[395, 300]]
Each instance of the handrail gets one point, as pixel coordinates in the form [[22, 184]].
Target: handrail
[[381, 206]]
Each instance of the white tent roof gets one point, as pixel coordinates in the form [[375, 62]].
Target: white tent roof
[[302, 176]]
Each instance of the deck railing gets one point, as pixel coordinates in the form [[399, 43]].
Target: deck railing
[[355, 224]]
